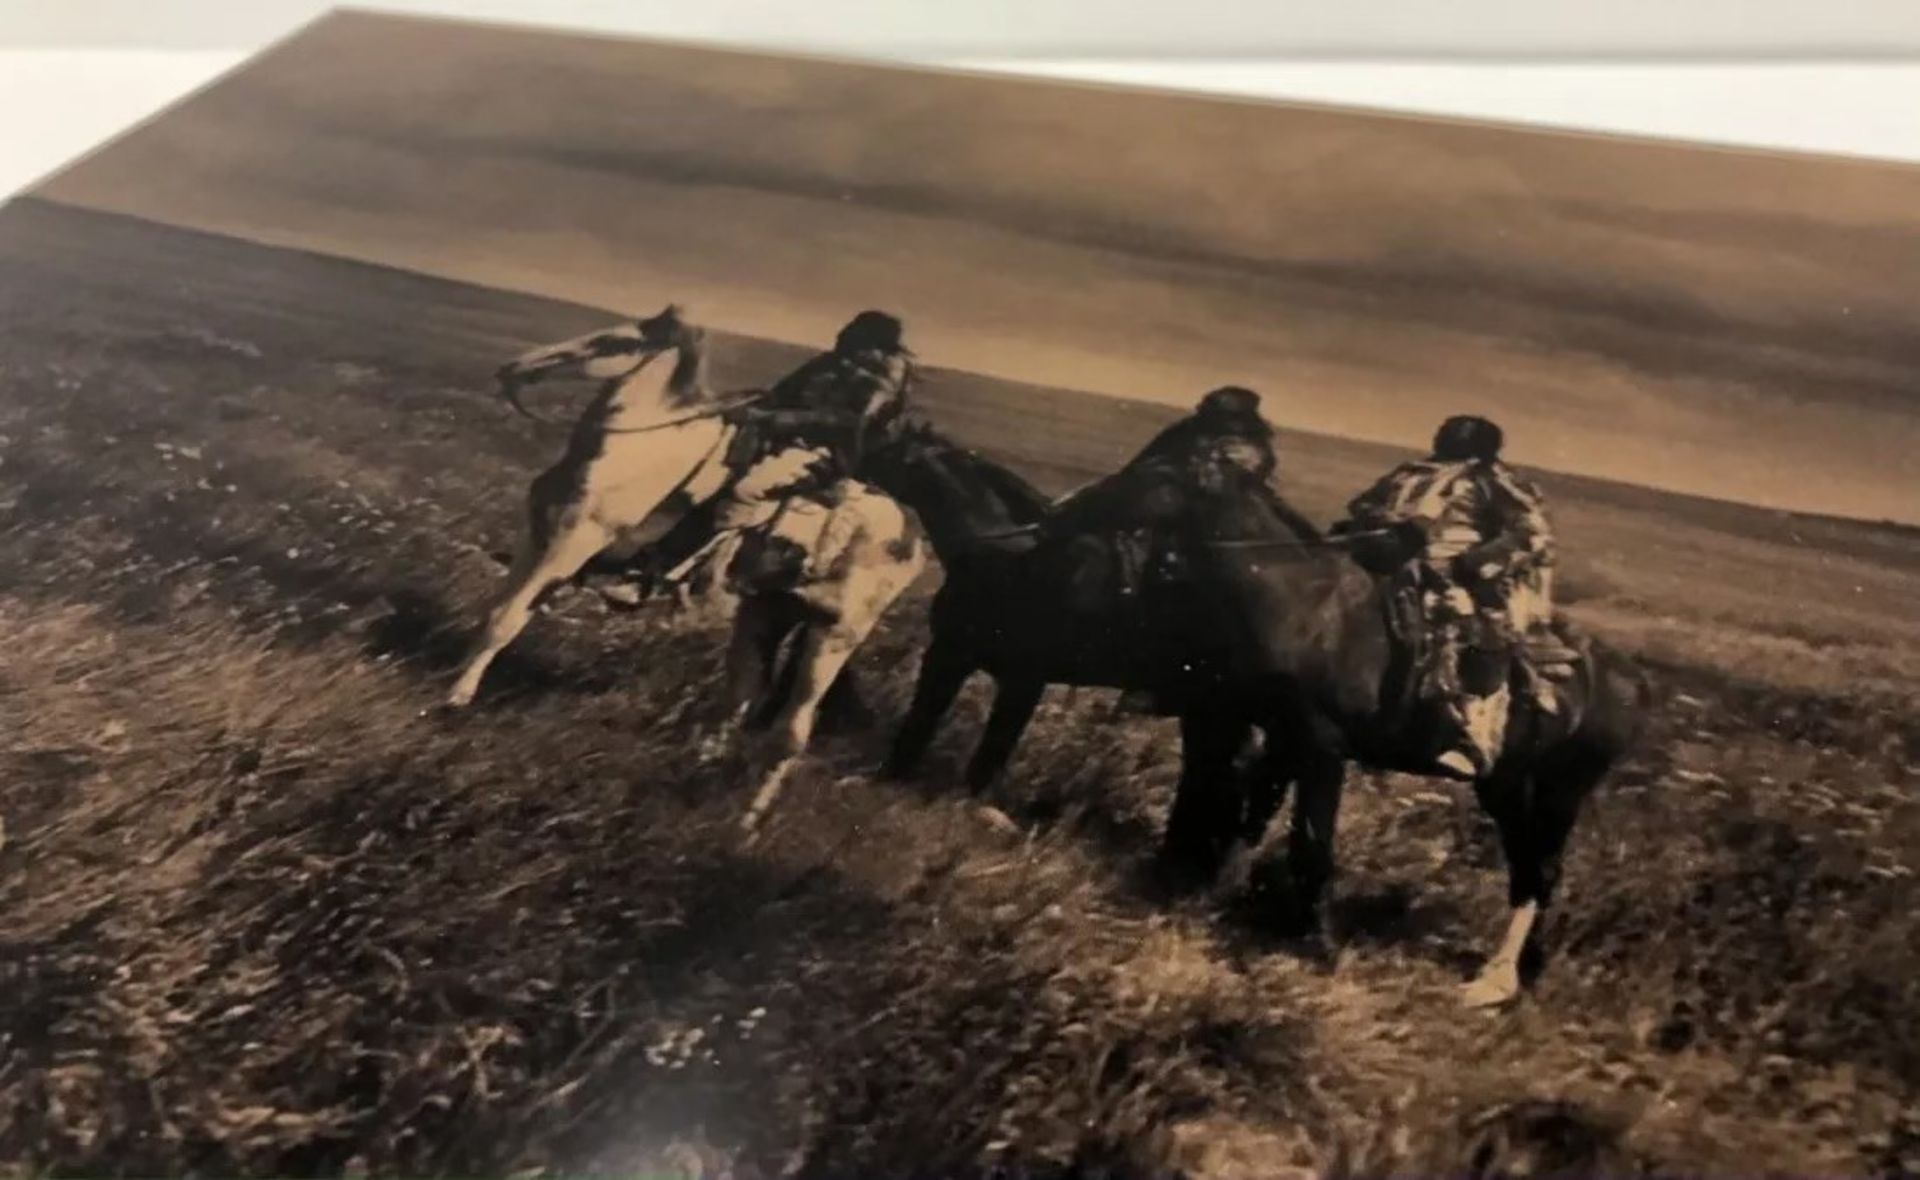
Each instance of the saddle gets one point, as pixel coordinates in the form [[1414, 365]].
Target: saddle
[[1547, 656], [1119, 569]]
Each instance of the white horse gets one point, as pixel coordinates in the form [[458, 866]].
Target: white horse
[[651, 432], [809, 585], [803, 579]]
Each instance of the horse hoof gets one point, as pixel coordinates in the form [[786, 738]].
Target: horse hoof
[[1299, 925], [1237, 865], [714, 748], [1493, 988], [997, 819]]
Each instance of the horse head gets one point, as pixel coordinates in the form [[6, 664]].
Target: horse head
[[908, 464], [614, 355], [1225, 493], [668, 330], [960, 495]]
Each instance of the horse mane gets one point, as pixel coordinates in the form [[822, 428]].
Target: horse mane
[[1295, 520], [1258, 506], [688, 381], [1022, 500]]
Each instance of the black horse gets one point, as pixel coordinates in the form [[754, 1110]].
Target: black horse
[[1261, 624], [1014, 603], [1318, 658]]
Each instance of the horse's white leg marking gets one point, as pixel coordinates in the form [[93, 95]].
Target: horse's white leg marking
[[576, 540], [1499, 981], [479, 652]]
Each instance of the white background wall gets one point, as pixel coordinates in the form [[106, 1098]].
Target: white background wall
[[1054, 28], [1819, 75]]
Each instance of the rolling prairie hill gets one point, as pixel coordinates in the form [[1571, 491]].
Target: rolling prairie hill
[[258, 914]]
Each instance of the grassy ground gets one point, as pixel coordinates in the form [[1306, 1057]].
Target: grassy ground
[[259, 914]]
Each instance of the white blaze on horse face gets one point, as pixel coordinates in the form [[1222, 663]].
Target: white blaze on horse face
[[597, 356]]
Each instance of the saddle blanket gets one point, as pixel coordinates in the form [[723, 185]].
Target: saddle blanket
[[1548, 653]]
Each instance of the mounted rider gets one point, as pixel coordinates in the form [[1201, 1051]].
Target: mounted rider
[[1127, 512], [1226, 415], [814, 427], [840, 402], [1484, 570]]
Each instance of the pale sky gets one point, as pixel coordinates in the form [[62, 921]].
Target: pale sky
[[1729, 323]]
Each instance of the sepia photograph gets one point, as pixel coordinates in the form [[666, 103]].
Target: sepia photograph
[[579, 606]]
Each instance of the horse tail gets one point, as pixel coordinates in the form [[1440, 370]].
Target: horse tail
[[1622, 696]]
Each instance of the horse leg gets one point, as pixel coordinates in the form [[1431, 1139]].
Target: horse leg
[[776, 675], [1206, 814], [845, 708], [943, 670], [1013, 704], [538, 567], [1319, 779], [823, 652], [1263, 786], [1267, 781], [754, 640], [700, 590], [1536, 814]]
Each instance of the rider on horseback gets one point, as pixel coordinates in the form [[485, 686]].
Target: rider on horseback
[[1117, 533], [1485, 573], [836, 404], [814, 426], [1227, 413], [1128, 509]]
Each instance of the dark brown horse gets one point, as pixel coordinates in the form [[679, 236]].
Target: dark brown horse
[[1270, 627], [1012, 603], [1315, 660]]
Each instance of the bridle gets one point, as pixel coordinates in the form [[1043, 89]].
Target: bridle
[[1330, 542], [511, 390], [714, 411]]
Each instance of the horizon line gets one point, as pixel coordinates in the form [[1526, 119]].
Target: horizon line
[[36, 197]]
